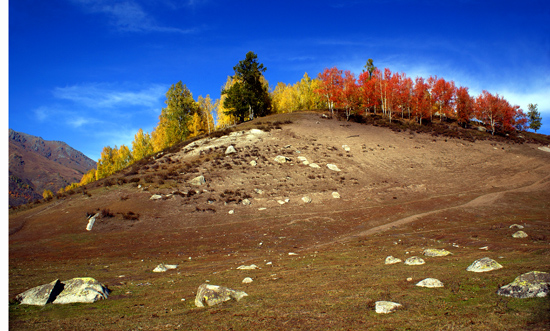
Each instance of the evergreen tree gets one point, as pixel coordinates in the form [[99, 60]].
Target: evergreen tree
[[248, 96], [535, 120]]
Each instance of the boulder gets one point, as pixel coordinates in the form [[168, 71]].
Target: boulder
[[91, 222], [247, 202], [198, 181], [248, 267], [282, 159], [528, 285], [346, 148], [155, 197], [333, 167], [430, 282], [392, 260], [520, 234], [435, 252], [247, 280], [315, 165], [230, 150], [306, 199], [211, 295], [517, 226], [414, 260], [40, 295], [253, 163], [386, 307], [82, 289], [165, 267], [302, 158], [483, 265], [336, 195]]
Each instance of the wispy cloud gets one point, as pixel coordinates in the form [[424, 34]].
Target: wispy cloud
[[130, 16]]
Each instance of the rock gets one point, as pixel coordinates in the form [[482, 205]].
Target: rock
[[164, 267], [336, 195], [91, 222], [40, 295], [528, 285], [485, 248], [248, 267], [198, 181], [253, 163], [544, 148], [346, 148], [281, 202], [211, 295], [81, 289], [414, 260], [520, 234], [302, 158], [483, 265], [392, 260], [247, 202], [517, 226], [257, 190], [155, 197], [315, 165], [230, 150], [306, 199], [386, 307], [333, 167], [247, 280], [231, 212], [291, 254], [282, 159], [430, 282], [436, 252]]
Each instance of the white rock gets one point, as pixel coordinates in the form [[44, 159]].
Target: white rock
[[346, 148], [333, 167], [262, 208], [386, 307], [247, 280], [247, 202], [520, 234], [483, 265], [414, 260], [231, 212], [248, 267], [198, 181], [282, 159], [253, 163], [436, 252], [485, 248], [302, 158], [306, 199], [291, 253], [281, 202], [430, 282], [517, 226], [155, 197], [211, 295], [91, 222], [230, 150], [392, 260], [336, 195], [314, 165]]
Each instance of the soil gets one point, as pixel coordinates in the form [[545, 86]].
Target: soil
[[392, 184]]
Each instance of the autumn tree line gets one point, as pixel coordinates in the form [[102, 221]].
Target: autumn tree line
[[247, 95]]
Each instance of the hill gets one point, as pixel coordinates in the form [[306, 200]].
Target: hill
[[36, 164], [398, 193]]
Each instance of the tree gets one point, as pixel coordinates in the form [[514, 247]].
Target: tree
[[142, 146], [535, 119], [369, 66], [248, 96], [330, 87], [464, 105], [47, 195], [350, 96], [224, 118], [207, 108]]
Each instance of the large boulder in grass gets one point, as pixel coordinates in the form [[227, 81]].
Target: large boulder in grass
[[210, 295], [483, 265], [436, 252], [197, 181], [82, 289], [40, 295], [386, 307], [529, 285]]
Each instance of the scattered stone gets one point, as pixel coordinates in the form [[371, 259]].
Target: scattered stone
[[409, 279], [392, 260], [247, 202], [91, 222], [81, 289], [282, 159], [483, 265], [231, 212], [517, 226], [269, 263], [306, 199], [287, 200], [414, 260], [346, 148], [155, 197], [529, 285], [302, 158], [436, 252], [314, 165], [520, 234], [230, 150], [198, 181], [257, 190], [211, 295], [291, 253], [544, 148], [386, 307], [40, 295], [333, 167], [430, 282], [336, 195], [485, 248], [248, 267], [253, 163], [247, 280], [164, 267], [281, 202], [262, 208]]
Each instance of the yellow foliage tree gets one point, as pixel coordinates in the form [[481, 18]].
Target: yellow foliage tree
[[300, 96], [142, 146], [88, 177], [223, 118], [207, 108], [47, 195]]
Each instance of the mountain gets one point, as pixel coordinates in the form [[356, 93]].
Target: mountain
[[36, 164]]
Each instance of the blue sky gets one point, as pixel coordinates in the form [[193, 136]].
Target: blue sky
[[92, 72]]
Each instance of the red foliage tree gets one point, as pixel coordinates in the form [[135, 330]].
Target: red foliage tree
[[331, 85], [464, 105]]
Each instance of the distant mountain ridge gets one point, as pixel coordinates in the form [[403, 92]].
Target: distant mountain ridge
[[36, 164]]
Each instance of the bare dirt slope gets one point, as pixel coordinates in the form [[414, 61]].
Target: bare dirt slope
[[390, 184]]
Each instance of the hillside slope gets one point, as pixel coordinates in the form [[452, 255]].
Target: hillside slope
[[36, 164], [399, 192]]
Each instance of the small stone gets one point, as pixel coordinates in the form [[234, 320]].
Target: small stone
[[253, 163], [231, 212], [247, 202], [436, 252], [392, 260], [281, 202], [485, 248], [346, 148], [430, 282], [483, 265], [262, 208], [414, 260], [282, 159], [291, 253], [248, 267], [247, 280], [306, 199], [333, 167], [336, 195], [409, 279], [257, 190], [520, 234], [516, 226], [155, 197], [197, 181], [230, 150], [386, 307], [314, 165]]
